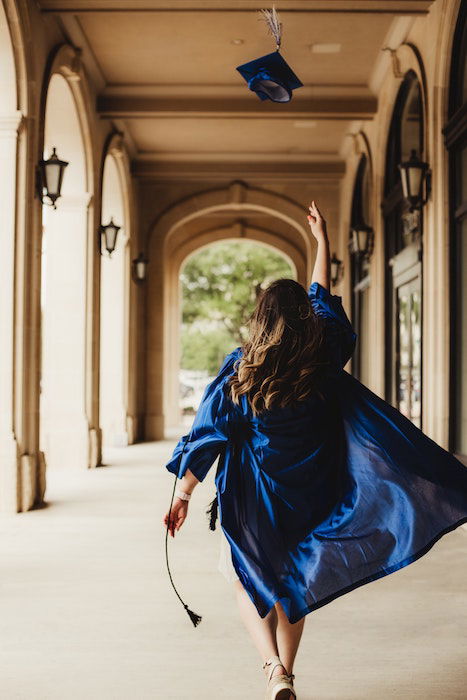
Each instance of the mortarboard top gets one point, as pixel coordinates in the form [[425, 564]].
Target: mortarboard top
[[270, 77]]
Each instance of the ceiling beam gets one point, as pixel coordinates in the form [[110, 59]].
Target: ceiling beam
[[291, 171], [399, 7], [339, 108]]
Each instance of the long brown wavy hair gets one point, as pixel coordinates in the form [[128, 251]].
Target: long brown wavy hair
[[284, 355]]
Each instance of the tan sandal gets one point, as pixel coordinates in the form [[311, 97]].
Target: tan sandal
[[280, 687]]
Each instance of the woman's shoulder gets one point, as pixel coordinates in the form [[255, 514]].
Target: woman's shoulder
[[228, 367], [232, 356]]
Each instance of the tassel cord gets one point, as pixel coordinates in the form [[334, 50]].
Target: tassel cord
[[194, 617]]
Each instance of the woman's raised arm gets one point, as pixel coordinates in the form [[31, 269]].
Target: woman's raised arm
[[322, 268]]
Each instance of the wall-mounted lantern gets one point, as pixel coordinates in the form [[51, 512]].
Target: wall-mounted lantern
[[109, 233], [361, 241], [415, 177], [139, 268], [337, 269], [50, 178]]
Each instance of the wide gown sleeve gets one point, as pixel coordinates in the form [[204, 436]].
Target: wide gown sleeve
[[198, 449], [339, 331]]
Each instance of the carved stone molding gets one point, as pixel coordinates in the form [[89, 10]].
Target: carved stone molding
[[10, 124]]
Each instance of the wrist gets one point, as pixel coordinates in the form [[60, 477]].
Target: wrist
[[183, 495], [322, 237]]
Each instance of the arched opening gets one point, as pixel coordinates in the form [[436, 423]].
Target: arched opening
[[179, 249], [403, 254], [236, 211], [113, 312], [63, 425], [219, 284]]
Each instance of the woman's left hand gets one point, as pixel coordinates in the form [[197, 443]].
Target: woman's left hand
[[178, 514], [317, 222]]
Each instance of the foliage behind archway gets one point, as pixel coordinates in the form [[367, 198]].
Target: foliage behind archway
[[219, 287]]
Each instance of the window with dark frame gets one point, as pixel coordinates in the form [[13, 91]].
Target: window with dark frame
[[455, 135], [403, 258]]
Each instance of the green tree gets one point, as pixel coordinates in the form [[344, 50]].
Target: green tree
[[205, 350], [219, 290]]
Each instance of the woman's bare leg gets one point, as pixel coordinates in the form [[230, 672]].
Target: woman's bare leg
[[288, 637], [261, 629]]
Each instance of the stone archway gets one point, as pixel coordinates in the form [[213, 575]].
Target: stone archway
[[68, 414], [114, 298], [172, 303], [180, 230]]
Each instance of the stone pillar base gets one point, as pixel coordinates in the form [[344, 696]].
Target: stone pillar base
[[41, 477], [95, 448], [133, 428], [9, 491], [28, 483], [154, 426]]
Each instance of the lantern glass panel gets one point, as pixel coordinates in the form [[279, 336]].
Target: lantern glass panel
[[415, 181], [52, 176], [110, 233], [404, 179], [141, 269], [362, 237], [354, 241]]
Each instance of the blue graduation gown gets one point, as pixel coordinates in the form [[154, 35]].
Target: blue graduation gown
[[325, 495]]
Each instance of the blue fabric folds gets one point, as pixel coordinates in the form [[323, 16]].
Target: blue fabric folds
[[326, 495]]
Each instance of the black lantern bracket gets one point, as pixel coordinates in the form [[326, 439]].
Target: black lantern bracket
[[337, 269]]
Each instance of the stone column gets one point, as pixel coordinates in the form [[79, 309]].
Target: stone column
[[154, 419], [9, 124]]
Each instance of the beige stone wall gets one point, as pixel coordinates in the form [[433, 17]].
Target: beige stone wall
[[426, 49]]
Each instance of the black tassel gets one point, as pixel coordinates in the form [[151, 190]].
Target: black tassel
[[194, 617], [212, 513]]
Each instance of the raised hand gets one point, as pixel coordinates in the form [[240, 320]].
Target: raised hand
[[316, 221]]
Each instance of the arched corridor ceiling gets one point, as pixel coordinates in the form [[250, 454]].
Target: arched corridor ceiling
[[165, 73]]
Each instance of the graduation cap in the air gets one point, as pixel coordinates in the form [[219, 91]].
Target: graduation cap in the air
[[270, 76]]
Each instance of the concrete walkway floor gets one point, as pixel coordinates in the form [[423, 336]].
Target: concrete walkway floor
[[87, 611]]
